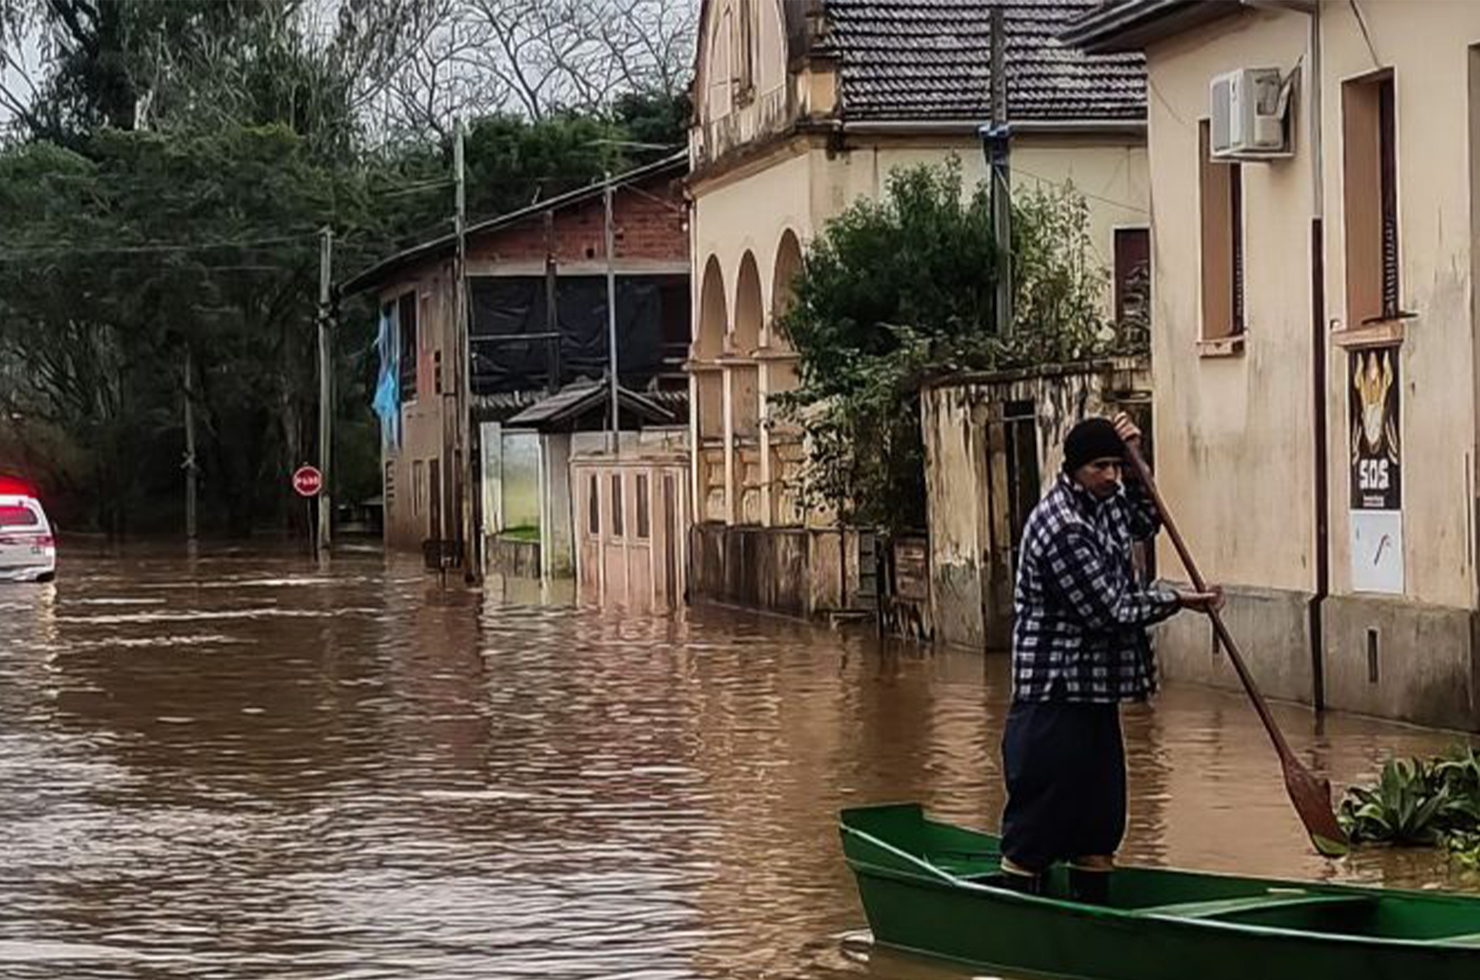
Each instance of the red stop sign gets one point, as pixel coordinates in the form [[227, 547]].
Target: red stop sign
[[307, 481]]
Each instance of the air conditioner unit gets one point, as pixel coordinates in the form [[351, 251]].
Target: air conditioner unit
[[1249, 106]]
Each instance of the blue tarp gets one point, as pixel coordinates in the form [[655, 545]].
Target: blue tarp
[[387, 402]]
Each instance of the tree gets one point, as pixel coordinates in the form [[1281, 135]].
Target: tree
[[174, 165], [535, 59], [119, 263], [897, 290]]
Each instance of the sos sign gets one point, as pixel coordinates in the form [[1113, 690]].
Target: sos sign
[[1373, 475], [1375, 390]]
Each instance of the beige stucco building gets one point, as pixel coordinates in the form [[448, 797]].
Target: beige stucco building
[[1315, 356], [801, 107]]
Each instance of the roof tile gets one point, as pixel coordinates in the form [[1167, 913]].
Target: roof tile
[[931, 59]]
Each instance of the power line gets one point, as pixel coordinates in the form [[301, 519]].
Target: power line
[[154, 247], [1080, 191]]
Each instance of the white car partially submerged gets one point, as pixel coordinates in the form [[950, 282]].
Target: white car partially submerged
[[28, 551]]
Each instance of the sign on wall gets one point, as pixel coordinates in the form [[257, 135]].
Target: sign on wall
[[1376, 544], [1376, 458], [1377, 551]]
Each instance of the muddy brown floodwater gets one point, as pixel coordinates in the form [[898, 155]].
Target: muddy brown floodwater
[[245, 765]]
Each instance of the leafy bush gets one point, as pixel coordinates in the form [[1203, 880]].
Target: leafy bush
[[898, 290], [1420, 802]]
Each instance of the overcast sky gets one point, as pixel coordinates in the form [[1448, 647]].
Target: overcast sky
[[28, 55]]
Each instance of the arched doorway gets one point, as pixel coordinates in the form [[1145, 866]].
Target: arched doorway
[[748, 308], [707, 395], [782, 452], [714, 317], [788, 264]]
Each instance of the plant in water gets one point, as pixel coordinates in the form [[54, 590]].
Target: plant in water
[[1401, 809], [1420, 802]]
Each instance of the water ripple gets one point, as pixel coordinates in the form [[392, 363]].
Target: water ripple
[[245, 765]]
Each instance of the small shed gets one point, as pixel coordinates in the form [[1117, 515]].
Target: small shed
[[633, 511], [572, 420]]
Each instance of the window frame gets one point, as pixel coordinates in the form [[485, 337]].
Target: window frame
[[616, 510]]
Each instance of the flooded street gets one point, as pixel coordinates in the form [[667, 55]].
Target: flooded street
[[244, 765]]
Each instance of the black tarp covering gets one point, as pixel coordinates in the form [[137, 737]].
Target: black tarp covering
[[652, 320]]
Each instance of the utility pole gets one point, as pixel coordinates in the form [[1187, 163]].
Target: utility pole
[[191, 469], [326, 390], [996, 137], [469, 533], [611, 312]]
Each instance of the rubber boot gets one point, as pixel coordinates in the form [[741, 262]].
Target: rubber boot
[[1018, 879], [1089, 887]]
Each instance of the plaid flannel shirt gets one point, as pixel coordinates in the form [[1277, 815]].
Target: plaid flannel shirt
[[1081, 616]]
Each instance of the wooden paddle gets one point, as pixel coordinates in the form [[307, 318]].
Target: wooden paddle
[[1311, 796]]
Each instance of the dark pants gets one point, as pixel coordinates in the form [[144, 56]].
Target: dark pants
[[1065, 768]]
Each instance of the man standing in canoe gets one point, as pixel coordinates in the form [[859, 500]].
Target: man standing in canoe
[[1079, 648]]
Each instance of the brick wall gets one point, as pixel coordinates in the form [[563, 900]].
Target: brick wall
[[650, 224]]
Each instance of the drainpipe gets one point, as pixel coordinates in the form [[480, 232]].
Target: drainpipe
[[1318, 339]]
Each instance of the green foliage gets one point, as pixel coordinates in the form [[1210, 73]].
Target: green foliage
[[97, 316], [1420, 802], [181, 158], [895, 291]]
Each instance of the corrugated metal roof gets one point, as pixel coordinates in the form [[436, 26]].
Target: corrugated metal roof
[[575, 400]]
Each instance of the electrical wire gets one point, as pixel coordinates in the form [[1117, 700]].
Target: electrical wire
[[1081, 191], [147, 248]]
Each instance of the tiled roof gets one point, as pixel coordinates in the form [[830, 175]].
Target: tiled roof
[[931, 59]]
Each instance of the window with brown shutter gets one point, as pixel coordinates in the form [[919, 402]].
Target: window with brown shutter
[[1220, 211], [1370, 200], [1132, 274], [1387, 132]]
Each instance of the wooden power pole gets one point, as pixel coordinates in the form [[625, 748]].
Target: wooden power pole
[[611, 312], [191, 468], [326, 389], [996, 140]]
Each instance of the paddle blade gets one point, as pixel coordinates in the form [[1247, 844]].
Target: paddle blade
[[1312, 800]]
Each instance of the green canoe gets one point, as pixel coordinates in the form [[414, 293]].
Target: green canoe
[[926, 888]]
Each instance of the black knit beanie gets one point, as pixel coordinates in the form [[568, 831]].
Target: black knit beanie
[[1092, 439]]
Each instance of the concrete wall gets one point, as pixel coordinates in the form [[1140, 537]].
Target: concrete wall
[[796, 571], [967, 485], [1426, 666], [1234, 438], [1271, 627], [514, 559]]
